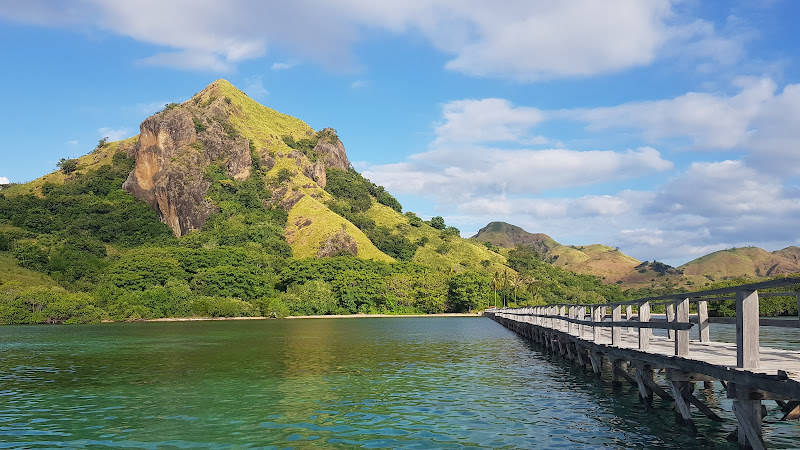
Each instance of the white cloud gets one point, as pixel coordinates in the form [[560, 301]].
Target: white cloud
[[254, 86], [525, 40], [486, 120], [359, 84], [758, 120], [189, 60], [282, 65], [710, 121], [114, 134], [457, 175], [4, 180]]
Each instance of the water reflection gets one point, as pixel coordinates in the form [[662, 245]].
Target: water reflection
[[384, 383]]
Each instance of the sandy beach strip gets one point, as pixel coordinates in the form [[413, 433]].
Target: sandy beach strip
[[344, 316]]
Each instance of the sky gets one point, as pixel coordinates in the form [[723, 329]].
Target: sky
[[667, 128]]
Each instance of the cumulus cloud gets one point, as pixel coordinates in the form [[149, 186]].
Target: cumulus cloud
[[486, 120], [254, 86], [710, 121], [4, 180], [114, 134], [759, 121], [276, 66], [457, 175], [526, 40]]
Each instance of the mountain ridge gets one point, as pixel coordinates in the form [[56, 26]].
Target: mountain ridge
[[615, 267]]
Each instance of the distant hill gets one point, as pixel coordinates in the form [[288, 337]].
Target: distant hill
[[745, 262], [605, 262], [221, 206], [613, 266]]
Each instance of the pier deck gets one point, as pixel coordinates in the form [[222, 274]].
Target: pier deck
[[751, 373]]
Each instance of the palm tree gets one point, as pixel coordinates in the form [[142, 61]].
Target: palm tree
[[495, 285], [505, 286]]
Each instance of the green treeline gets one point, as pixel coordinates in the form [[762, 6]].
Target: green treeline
[[114, 260], [110, 258]]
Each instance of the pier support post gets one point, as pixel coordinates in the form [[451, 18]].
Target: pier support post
[[680, 389], [596, 359], [643, 373], [749, 416]]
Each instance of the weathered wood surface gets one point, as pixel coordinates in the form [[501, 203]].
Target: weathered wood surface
[[778, 370]]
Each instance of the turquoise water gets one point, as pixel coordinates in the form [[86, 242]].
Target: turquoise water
[[372, 383]]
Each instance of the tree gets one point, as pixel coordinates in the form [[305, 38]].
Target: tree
[[468, 290], [437, 222], [67, 166]]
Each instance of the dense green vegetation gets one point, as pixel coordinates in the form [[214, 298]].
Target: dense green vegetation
[[85, 251], [537, 282], [114, 260]]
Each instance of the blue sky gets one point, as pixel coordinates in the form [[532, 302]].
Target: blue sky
[[667, 128]]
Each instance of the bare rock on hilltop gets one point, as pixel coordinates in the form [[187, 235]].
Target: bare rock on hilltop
[[174, 150]]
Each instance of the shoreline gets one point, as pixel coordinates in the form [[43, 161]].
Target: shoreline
[[343, 316]]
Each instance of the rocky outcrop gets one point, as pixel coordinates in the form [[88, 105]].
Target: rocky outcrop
[[331, 150], [174, 150], [317, 173], [339, 243]]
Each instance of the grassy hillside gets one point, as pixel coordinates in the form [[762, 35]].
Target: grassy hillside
[[282, 238], [605, 262], [12, 273], [744, 262]]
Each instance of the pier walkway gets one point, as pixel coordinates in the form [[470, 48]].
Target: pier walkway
[[624, 340]]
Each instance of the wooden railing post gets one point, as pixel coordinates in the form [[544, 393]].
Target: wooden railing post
[[581, 316], [595, 328], [671, 318], [644, 333], [628, 314], [682, 336], [702, 320], [562, 313], [747, 324], [570, 325], [616, 332]]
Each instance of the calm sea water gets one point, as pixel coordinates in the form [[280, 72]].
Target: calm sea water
[[373, 383]]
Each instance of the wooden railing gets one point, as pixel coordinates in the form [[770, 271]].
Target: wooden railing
[[572, 318]]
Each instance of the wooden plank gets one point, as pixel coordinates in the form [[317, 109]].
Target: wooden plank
[[763, 321], [702, 320], [596, 318], [620, 371], [628, 316], [791, 410], [679, 391], [645, 393], [747, 343], [702, 407]]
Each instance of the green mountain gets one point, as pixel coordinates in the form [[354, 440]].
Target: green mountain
[[749, 262], [608, 263], [612, 266], [221, 206]]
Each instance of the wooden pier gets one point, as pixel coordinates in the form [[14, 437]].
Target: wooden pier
[[750, 373]]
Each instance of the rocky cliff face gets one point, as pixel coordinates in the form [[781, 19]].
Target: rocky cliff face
[[174, 150]]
